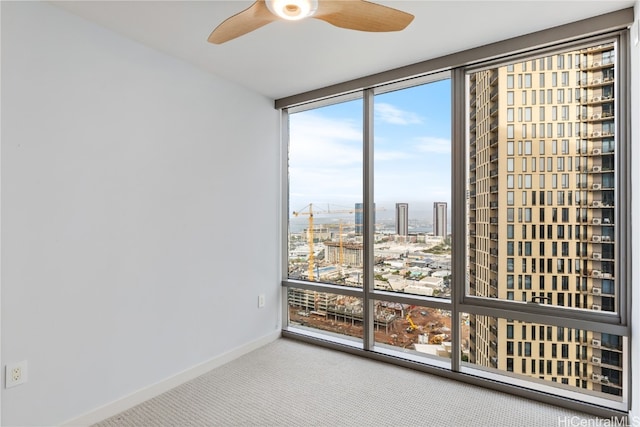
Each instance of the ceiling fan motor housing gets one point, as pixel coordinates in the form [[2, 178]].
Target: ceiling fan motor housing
[[292, 9]]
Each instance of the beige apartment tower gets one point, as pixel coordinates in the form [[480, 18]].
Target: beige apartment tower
[[542, 223]]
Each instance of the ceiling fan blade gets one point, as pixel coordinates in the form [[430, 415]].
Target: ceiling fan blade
[[362, 15], [252, 18]]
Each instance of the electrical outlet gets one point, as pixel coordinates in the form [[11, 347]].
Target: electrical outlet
[[261, 301], [16, 374]]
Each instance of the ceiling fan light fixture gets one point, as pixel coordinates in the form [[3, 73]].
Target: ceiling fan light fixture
[[360, 15], [292, 10]]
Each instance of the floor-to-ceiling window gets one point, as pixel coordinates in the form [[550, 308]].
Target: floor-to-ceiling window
[[543, 209], [325, 201], [411, 200], [471, 220]]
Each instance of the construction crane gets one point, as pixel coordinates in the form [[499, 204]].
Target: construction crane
[[308, 210], [412, 326]]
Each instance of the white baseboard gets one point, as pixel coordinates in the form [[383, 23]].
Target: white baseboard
[[139, 396]]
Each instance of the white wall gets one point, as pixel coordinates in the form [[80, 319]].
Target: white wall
[[635, 207], [139, 212]]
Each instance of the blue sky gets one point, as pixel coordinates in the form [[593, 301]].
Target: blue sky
[[412, 151]]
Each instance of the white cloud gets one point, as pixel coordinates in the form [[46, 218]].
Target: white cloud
[[325, 160], [326, 163], [318, 140], [391, 114], [429, 144]]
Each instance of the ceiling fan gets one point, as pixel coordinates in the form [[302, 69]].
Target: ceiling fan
[[350, 14]]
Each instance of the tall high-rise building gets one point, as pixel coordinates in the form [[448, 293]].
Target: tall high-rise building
[[359, 218], [541, 212], [402, 219], [440, 219]]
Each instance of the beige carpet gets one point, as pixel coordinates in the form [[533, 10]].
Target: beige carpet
[[290, 383]]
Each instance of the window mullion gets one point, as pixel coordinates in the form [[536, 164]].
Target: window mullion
[[458, 209], [284, 209], [368, 232]]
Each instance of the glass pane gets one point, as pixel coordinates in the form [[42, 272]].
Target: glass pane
[[336, 315], [420, 331], [412, 186], [541, 205], [325, 194], [585, 361]]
